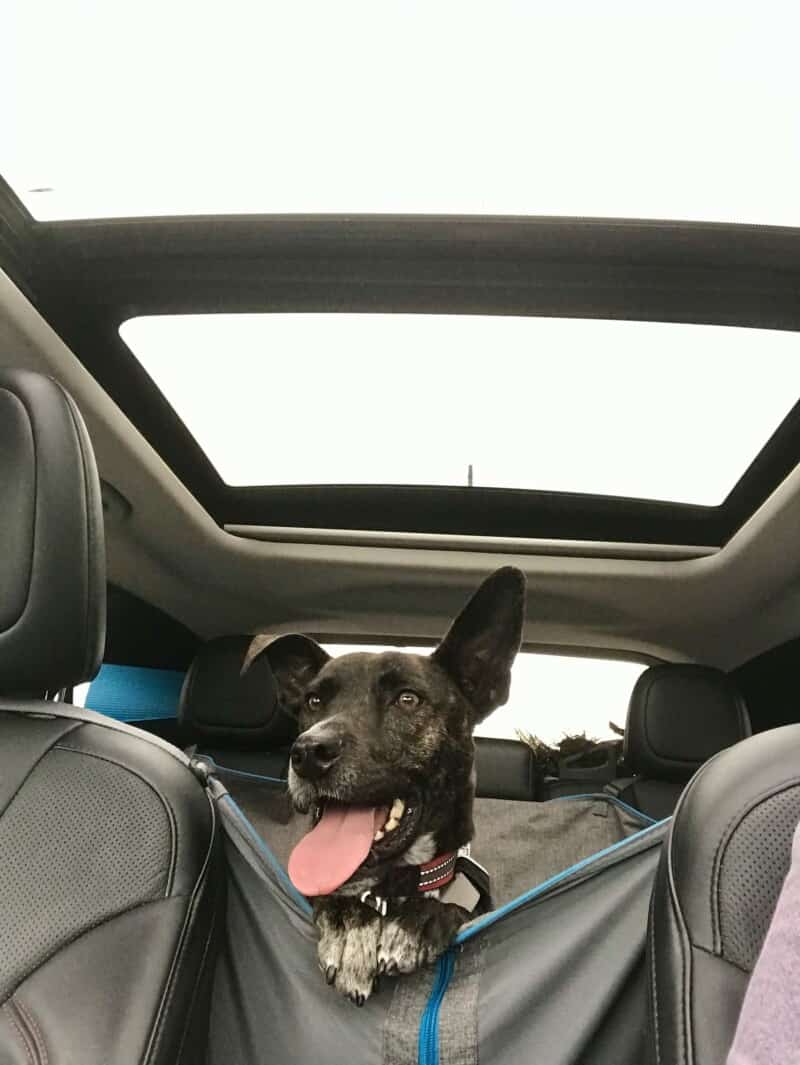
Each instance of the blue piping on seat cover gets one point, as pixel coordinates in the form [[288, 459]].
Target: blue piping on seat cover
[[265, 851], [546, 885], [428, 1053], [249, 776]]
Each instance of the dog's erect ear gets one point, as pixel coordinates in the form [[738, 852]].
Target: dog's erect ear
[[294, 660], [483, 641]]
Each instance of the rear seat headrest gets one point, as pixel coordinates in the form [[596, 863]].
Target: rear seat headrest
[[223, 706], [506, 769], [679, 716], [52, 558]]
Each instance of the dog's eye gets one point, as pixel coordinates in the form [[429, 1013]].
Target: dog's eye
[[313, 702], [408, 700]]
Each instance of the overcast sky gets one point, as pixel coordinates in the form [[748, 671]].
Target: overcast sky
[[672, 412], [621, 108]]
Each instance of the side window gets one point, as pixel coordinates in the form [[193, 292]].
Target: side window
[[552, 695], [557, 695]]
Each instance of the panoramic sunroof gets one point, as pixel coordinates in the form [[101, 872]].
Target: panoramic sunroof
[[619, 109], [633, 409]]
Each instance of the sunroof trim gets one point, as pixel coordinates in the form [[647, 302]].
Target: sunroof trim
[[86, 278], [486, 544]]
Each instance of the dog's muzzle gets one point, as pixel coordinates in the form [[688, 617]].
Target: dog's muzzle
[[314, 753]]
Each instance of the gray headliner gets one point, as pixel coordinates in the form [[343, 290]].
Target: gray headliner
[[720, 609]]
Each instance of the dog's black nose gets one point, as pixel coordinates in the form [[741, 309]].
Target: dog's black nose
[[314, 755]]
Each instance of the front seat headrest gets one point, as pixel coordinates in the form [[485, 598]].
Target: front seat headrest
[[224, 706], [52, 557], [679, 717]]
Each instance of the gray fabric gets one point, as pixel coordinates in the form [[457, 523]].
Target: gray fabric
[[555, 971], [522, 844], [458, 1018], [270, 1002], [270, 811], [410, 996], [557, 980]]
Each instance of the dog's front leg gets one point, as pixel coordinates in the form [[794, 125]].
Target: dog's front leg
[[349, 933], [417, 933]]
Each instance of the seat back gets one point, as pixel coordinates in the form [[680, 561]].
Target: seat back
[[110, 880], [716, 889], [229, 710]]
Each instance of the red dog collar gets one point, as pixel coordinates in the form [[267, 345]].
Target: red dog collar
[[413, 879], [437, 872]]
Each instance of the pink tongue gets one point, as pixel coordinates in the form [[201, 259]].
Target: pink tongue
[[334, 848]]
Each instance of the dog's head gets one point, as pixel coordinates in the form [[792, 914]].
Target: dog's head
[[387, 737]]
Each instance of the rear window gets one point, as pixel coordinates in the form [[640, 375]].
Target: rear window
[[552, 695]]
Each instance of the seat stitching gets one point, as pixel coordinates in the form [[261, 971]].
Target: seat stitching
[[79, 935], [653, 992], [41, 1046], [20, 1032], [168, 992], [200, 975], [166, 804], [42, 756]]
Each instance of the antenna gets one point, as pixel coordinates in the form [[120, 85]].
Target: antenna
[[469, 476]]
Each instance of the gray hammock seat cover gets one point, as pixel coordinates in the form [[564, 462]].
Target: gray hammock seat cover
[[554, 975]]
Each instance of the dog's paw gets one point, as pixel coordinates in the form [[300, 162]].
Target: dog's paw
[[348, 951], [417, 935]]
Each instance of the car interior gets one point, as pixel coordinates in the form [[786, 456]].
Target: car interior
[[145, 824]]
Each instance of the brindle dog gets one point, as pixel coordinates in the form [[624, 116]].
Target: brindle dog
[[384, 762]]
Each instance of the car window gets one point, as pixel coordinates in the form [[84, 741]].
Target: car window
[[552, 695]]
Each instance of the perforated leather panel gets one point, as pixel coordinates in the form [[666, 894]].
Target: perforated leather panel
[[753, 869], [83, 839]]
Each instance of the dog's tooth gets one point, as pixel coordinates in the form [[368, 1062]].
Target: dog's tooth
[[391, 825], [378, 835], [396, 812]]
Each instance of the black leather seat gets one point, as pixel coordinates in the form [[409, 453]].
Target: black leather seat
[[679, 717], [110, 883], [506, 769], [717, 886], [231, 714]]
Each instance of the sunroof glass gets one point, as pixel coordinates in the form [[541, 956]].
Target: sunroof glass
[[616, 109], [633, 409]]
